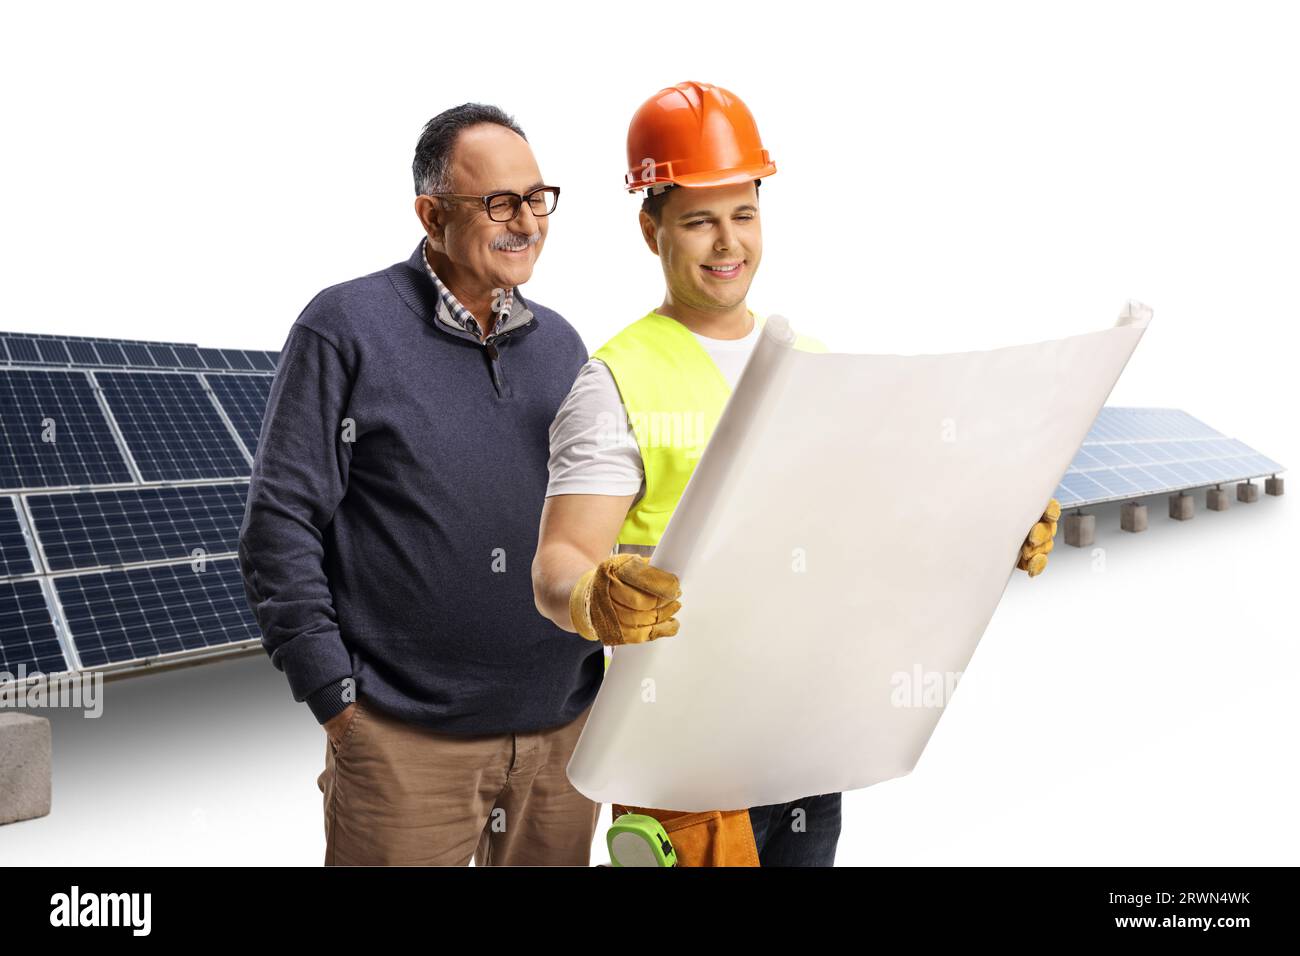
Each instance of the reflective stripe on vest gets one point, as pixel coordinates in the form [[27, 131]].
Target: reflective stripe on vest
[[674, 394]]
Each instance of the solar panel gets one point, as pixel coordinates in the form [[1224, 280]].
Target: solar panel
[[22, 350], [236, 359], [111, 353], [1131, 452], [53, 351], [244, 399], [171, 426], [118, 616], [27, 637], [53, 432], [92, 529], [83, 353], [15, 557]]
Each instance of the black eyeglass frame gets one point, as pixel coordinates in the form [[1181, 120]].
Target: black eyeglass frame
[[516, 201]]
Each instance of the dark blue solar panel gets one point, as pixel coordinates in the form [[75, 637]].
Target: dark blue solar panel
[[117, 616], [188, 356], [53, 432], [83, 353], [213, 358], [171, 427], [91, 529], [27, 637], [138, 355], [15, 558], [261, 360], [111, 353], [163, 355], [53, 351], [22, 350], [236, 359], [244, 399]]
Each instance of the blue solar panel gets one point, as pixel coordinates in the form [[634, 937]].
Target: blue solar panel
[[53, 432], [171, 426], [261, 360], [118, 616], [1131, 452], [22, 350], [244, 399], [53, 351], [91, 529], [138, 355], [188, 356], [83, 353], [213, 358], [27, 637], [15, 557], [163, 355], [111, 353], [236, 359]]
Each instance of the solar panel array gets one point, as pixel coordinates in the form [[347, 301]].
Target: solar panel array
[[1132, 452], [123, 475]]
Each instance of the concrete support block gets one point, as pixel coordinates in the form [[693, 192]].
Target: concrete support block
[[24, 767], [1080, 530], [1216, 499], [1133, 516], [1181, 506], [1247, 491], [1273, 486]]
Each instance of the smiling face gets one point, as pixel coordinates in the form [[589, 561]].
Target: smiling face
[[709, 243], [483, 254]]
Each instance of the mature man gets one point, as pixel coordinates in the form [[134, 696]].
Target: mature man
[[695, 149], [394, 505]]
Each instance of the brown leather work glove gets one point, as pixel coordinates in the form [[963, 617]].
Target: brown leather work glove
[[1033, 553], [623, 600]]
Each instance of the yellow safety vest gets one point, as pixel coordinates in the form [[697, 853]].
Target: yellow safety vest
[[674, 395]]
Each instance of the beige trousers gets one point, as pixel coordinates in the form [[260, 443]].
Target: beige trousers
[[398, 794]]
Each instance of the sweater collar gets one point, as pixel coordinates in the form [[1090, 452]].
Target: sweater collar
[[413, 285]]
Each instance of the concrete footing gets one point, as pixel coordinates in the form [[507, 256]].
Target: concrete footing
[[1273, 486], [1133, 516], [24, 767], [1182, 506], [1080, 530], [1216, 499], [1247, 491]]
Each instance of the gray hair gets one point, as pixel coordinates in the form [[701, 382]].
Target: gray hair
[[438, 139]]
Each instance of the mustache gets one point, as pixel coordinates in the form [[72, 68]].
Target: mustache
[[512, 241]]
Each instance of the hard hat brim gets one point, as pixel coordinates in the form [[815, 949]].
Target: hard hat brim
[[713, 177]]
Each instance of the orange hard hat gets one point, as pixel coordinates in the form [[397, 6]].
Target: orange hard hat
[[694, 134]]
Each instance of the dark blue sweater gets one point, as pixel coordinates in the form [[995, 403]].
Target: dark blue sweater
[[402, 558]]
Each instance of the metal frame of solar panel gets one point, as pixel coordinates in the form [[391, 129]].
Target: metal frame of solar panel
[[1133, 452], [123, 473]]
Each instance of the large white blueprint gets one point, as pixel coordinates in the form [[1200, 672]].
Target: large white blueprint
[[842, 546]]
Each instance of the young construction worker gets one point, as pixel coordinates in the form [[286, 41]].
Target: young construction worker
[[614, 480]]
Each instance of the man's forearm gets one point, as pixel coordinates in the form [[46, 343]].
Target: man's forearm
[[556, 569]]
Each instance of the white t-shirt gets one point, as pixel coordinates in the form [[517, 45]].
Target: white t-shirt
[[593, 448]]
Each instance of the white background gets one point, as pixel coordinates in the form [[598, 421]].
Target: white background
[[950, 177]]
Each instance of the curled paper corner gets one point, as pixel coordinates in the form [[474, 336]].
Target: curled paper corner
[[778, 327], [1135, 314]]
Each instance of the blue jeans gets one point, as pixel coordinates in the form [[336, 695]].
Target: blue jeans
[[802, 832]]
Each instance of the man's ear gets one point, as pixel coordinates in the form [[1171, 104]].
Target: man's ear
[[432, 216], [649, 231]]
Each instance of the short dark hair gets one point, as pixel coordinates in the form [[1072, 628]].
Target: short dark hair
[[654, 205], [438, 139]]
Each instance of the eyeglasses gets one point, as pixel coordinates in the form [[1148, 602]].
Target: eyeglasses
[[504, 205]]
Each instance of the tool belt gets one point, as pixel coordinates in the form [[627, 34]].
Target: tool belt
[[709, 838]]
